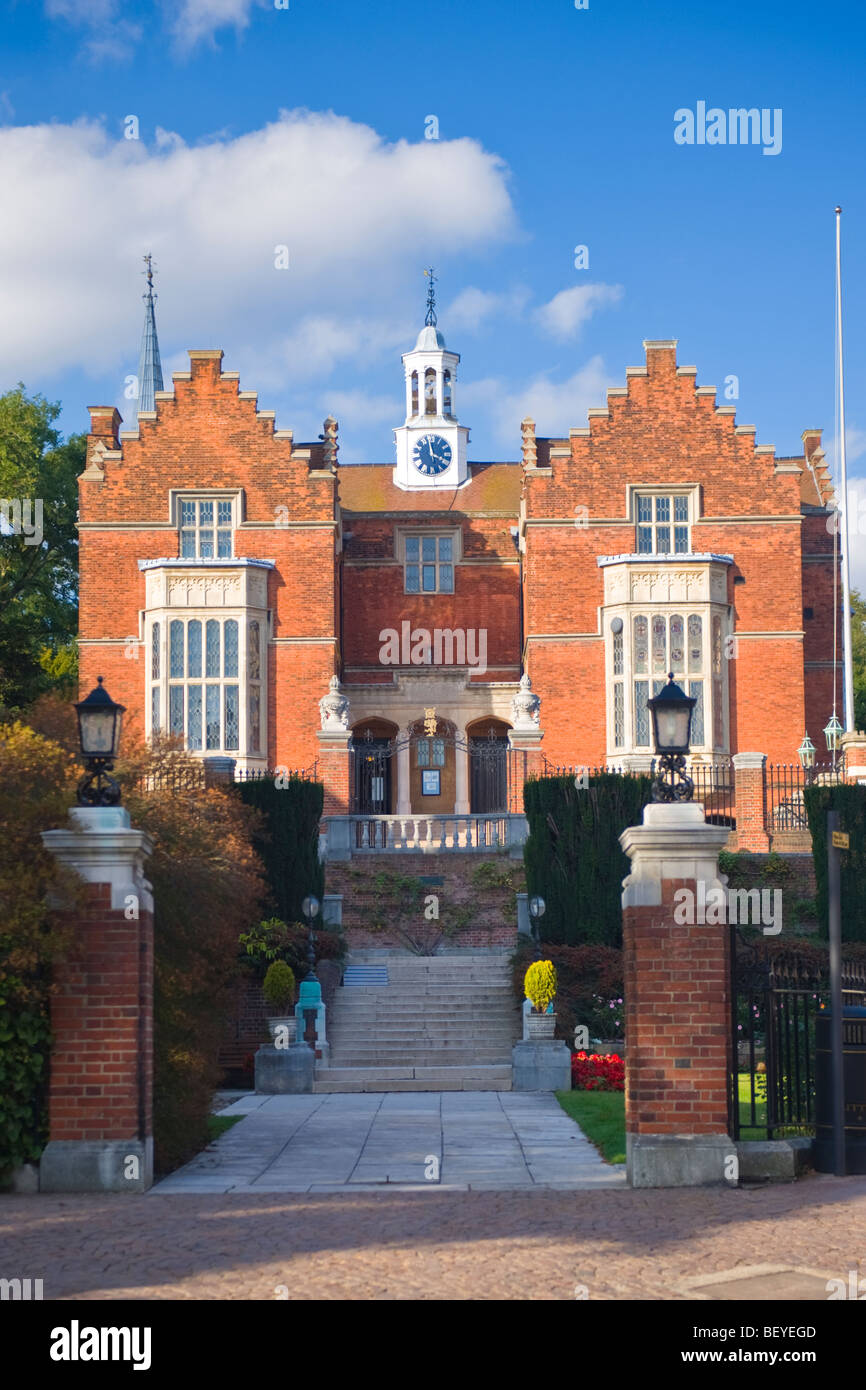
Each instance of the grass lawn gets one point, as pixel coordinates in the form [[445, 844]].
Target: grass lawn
[[218, 1124], [601, 1116]]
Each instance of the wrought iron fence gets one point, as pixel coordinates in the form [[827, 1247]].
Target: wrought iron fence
[[714, 788], [775, 1000], [192, 775], [785, 784]]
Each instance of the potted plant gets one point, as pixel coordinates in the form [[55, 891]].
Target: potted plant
[[279, 992], [539, 985]]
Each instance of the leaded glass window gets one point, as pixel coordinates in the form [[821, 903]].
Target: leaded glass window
[[176, 650], [193, 725], [154, 652], [232, 731], [212, 715], [212, 666], [696, 642], [254, 658], [641, 641], [230, 660], [641, 715], [205, 528], [660, 650], [696, 690], [429, 564], [193, 648], [655, 533], [618, 715], [677, 646]]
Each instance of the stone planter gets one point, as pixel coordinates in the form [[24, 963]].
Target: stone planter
[[287, 1022], [607, 1047], [540, 1026]]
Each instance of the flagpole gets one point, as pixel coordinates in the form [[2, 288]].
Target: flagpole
[[848, 667]]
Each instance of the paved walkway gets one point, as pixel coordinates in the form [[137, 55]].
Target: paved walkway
[[528, 1243], [452, 1139]]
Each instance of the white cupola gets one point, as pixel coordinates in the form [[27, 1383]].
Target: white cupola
[[431, 445]]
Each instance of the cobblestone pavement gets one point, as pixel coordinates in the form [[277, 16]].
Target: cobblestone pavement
[[529, 1243], [460, 1139]]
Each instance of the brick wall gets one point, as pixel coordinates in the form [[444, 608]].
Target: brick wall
[[102, 1022], [677, 1021], [492, 911]]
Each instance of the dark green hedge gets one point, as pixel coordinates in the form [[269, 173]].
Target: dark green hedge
[[573, 858], [289, 847], [850, 801]]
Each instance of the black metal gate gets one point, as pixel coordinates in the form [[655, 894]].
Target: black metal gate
[[371, 777], [776, 997], [374, 770], [488, 775]]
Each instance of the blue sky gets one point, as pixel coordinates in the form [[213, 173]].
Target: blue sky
[[305, 127]]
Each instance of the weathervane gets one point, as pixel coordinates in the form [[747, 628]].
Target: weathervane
[[430, 320], [148, 272]]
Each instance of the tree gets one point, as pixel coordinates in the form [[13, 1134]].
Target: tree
[[858, 657], [38, 549]]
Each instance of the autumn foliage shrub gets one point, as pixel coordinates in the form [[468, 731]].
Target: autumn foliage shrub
[[37, 777], [208, 887]]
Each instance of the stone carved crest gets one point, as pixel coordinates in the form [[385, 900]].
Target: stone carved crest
[[525, 706], [334, 707]]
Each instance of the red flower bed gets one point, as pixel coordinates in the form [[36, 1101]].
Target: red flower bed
[[590, 1071]]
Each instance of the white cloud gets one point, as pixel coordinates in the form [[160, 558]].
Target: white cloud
[[347, 204], [199, 19], [566, 313], [555, 406], [472, 308], [110, 36]]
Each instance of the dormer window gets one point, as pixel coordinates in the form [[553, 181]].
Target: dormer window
[[205, 528], [663, 524]]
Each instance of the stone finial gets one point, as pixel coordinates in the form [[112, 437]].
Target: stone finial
[[330, 442], [527, 431], [334, 707], [525, 706]]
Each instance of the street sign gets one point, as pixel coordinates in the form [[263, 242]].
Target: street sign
[[841, 839]]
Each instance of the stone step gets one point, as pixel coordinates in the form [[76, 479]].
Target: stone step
[[413, 1078]]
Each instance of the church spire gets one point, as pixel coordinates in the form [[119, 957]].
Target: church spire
[[149, 366]]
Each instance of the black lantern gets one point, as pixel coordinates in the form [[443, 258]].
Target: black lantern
[[537, 909], [99, 721], [310, 908], [671, 712]]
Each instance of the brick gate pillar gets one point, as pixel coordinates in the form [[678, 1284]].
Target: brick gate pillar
[[525, 760], [100, 1094], [677, 992], [333, 769], [750, 799], [854, 753]]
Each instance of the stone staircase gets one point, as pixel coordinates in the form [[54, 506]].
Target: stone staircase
[[441, 1023]]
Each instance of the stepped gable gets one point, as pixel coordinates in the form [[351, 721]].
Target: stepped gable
[[205, 432], [675, 427]]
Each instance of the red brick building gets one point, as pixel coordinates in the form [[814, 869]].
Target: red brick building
[[230, 572]]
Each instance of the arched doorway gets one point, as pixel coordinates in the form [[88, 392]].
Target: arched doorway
[[373, 772], [488, 766], [432, 767]]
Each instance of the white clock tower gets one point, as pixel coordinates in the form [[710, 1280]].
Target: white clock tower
[[431, 445]]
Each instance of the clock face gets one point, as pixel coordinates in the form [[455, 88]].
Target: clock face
[[432, 454]]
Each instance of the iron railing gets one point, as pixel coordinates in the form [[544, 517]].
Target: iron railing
[[714, 788], [775, 1000], [785, 783]]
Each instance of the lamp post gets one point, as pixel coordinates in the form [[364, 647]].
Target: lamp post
[[99, 721], [537, 909], [310, 908], [832, 733], [806, 754], [671, 712]]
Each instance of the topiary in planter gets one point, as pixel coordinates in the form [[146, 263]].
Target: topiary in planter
[[279, 987], [539, 985]]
